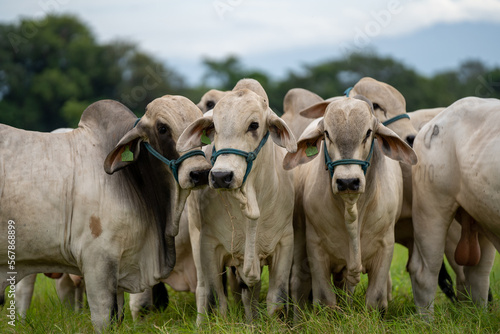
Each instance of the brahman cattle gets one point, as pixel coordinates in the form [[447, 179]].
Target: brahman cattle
[[244, 219], [457, 177], [210, 99], [100, 201], [390, 108], [348, 197]]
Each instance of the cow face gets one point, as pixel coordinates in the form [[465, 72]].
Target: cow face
[[160, 127], [348, 130], [388, 102], [240, 121], [210, 99]]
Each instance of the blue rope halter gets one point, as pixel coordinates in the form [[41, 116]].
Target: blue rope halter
[[347, 91], [249, 156], [174, 163], [331, 165], [395, 118]]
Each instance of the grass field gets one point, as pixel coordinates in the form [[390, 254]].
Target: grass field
[[47, 315]]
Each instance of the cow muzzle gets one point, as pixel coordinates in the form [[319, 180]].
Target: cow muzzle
[[348, 184], [221, 180], [348, 179]]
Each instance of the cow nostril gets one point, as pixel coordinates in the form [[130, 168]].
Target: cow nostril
[[410, 139], [228, 178], [222, 179], [195, 177], [199, 178], [348, 184], [355, 184]]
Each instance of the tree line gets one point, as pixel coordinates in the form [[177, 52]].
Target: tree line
[[52, 68]]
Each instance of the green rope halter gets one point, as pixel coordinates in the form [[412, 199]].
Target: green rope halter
[[174, 163], [331, 165], [395, 118], [249, 156]]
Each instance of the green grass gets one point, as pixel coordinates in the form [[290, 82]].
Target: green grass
[[47, 315]]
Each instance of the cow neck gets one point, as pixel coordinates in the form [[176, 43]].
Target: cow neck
[[157, 195], [160, 198], [247, 193]]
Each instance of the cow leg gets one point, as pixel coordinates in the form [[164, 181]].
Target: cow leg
[[24, 293], [210, 290], [250, 299], [379, 277], [319, 262], [66, 290], [79, 292], [234, 283], [120, 298], [300, 276], [279, 274], [102, 285], [389, 287], [477, 278], [452, 238], [139, 302], [431, 219]]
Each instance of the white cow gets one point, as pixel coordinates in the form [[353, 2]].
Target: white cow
[[457, 177], [241, 221], [348, 199], [390, 108], [210, 99], [99, 201]]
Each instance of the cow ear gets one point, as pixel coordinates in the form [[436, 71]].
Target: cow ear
[[393, 146], [316, 110], [281, 133], [200, 132], [308, 147], [126, 151]]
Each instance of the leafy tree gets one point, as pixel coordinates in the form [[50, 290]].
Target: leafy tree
[[52, 69]]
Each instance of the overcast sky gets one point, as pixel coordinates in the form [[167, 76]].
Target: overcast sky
[[272, 35]]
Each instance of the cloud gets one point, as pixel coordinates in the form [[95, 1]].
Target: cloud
[[196, 28]]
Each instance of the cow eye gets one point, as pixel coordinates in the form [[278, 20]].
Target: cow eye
[[162, 129], [253, 126], [376, 106], [368, 134], [210, 105], [327, 134]]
